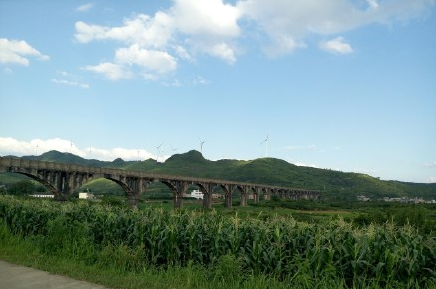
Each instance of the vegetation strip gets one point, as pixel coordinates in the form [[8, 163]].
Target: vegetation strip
[[226, 250]]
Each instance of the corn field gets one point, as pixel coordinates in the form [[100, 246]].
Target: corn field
[[384, 255]]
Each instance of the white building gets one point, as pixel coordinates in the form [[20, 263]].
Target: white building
[[86, 196], [42, 196], [196, 194]]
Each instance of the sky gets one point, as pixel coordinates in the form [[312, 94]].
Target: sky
[[346, 85]]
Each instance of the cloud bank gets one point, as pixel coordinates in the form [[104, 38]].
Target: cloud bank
[[11, 146], [153, 45]]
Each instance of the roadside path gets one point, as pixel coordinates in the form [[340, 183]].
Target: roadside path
[[18, 277]]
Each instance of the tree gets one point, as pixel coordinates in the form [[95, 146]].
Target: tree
[[22, 188]]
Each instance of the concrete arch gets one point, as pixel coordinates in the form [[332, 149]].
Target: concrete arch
[[123, 185], [43, 182]]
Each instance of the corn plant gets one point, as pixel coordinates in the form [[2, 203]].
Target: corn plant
[[385, 256]]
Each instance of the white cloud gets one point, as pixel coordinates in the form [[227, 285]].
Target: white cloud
[[210, 27], [154, 42], [87, 33], [85, 7], [283, 44], [18, 51], [156, 61], [141, 29], [372, 4], [430, 165], [110, 70], [69, 80], [11, 146], [182, 53], [200, 81], [174, 83], [432, 179], [70, 83], [307, 165], [36, 146], [294, 20], [223, 51], [190, 27], [125, 154], [337, 46], [211, 17]]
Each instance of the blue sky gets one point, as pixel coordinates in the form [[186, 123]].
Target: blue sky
[[338, 84]]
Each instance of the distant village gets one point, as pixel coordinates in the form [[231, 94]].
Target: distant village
[[404, 200]]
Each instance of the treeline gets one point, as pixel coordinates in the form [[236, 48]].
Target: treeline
[[22, 188]]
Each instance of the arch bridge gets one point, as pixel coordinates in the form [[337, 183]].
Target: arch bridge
[[63, 179]]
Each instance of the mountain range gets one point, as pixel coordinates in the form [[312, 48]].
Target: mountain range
[[332, 184]]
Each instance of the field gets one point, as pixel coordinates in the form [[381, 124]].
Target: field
[[214, 249]]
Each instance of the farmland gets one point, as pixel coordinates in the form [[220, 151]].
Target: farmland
[[215, 249]]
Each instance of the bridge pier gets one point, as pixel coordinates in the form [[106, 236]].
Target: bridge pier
[[243, 196], [256, 195], [207, 200], [243, 200], [228, 194], [207, 189], [64, 183], [178, 188], [177, 200]]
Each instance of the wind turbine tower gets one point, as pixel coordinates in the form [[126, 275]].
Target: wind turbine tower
[[159, 152], [266, 145], [201, 145]]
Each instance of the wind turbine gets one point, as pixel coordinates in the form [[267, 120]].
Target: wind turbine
[[37, 149], [266, 145], [159, 151], [173, 149], [201, 145]]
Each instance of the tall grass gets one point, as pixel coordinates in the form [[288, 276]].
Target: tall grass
[[229, 250]]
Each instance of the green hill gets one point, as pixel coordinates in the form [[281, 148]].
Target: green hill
[[271, 171]]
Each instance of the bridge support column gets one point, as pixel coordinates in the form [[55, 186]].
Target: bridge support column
[[207, 189], [243, 200], [207, 200], [64, 184], [243, 197], [228, 200], [256, 195], [228, 194], [177, 200], [134, 194], [179, 188]]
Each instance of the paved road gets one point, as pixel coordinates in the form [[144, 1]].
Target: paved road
[[19, 277]]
